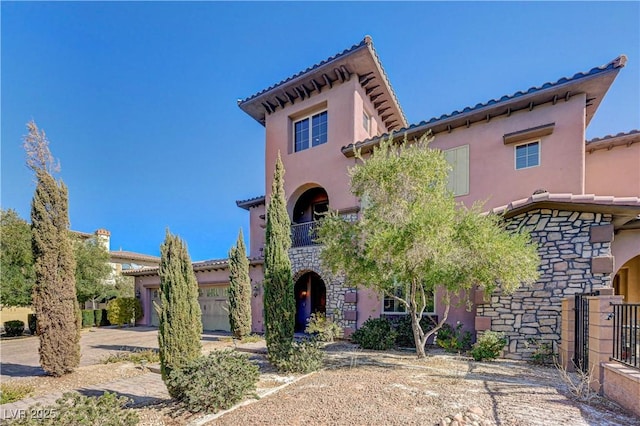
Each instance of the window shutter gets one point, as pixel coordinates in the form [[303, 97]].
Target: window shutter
[[458, 158]]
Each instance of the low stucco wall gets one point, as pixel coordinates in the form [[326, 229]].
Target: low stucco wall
[[622, 384], [8, 313]]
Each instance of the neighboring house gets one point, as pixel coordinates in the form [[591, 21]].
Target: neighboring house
[[525, 154]]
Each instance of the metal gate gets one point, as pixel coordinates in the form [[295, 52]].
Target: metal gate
[[581, 357]]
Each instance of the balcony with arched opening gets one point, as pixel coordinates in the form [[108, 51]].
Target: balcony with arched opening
[[307, 211]]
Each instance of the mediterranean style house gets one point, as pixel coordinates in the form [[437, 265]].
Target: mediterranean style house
[[525, 154]]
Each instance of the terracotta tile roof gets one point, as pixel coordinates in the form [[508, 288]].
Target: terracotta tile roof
[[548, 92], [585, 201], [610, 141], [332, 70], [120, 254], [203, 265], [251, 202], [616, 136]]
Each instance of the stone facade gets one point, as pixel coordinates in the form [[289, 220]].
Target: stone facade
[[341, 299], [532, 314]]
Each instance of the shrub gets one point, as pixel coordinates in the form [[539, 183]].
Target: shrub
[[402, 326], [322, 328], [33, 324], [375, 333], [303, 357], [88, 318], [142, 356], [97, 317], [11, 392], [488, 346], [124, 310], [453, 339], [14, 328], [75, 409], [215, 382], [105, 318], [543, 353]]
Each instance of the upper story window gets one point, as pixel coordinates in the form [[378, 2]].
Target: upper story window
[[310, 131], [366, 122], [527, 155], [458, 158]]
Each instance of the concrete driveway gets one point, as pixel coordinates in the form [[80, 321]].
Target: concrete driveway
[[19, 357]]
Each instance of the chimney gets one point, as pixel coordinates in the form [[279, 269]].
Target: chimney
[[104, 237]]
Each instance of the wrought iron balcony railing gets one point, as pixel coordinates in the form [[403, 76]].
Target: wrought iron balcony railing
[[304, 234]]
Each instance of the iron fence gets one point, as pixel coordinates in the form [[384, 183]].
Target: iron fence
[[304, 234], [626, 334]]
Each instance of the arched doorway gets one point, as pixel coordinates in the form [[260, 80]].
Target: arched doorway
[[308, 209], [627, 280], [311, 297]]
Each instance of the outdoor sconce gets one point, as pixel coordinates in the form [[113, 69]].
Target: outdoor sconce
[[138, 293], [256, 290]]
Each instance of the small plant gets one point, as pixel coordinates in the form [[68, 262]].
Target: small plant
[[543, 353], [75, 409], [88, 318], [97, 317], [375, 333], [142, 357], [10, 392], [322, 328], [579, 382], [453, 339], [14, 328], [215, 382], [33, 324], [251, 338], [303, 357], [488, 346]]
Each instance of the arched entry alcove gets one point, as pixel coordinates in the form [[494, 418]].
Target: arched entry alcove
[[627, 280], [307, 210], [311, 297]]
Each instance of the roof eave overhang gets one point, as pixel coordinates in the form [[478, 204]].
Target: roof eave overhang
[[197, 267], [594, 86], [360, 63]]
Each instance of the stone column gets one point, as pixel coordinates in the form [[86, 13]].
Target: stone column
[[566, 349], [600, 335]]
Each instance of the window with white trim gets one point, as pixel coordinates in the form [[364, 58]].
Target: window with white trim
[[394, 306], [458, 179], [527, 155], [310, 131]]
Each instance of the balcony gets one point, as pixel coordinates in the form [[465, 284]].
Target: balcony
[[304, 234]]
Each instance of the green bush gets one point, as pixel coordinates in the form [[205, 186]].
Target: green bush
[[453, 339], [33, 324], [402, 326], [11, 392], [88, 318], [124, 310], [97, 317], [14, 328], [543, 353], [488, 346], [303, 357], [75, 409], [215, 382], [375, 333], [322, 328]]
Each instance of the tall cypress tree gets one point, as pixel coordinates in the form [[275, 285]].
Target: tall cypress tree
[[54, 293], [279, 303], [179, 313], [239, 290]]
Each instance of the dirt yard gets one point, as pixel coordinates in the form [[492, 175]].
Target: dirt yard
[[394, 388]]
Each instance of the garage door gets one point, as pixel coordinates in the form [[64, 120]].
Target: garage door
[[214, 302]]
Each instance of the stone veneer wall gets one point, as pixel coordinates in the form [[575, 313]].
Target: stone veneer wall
[[568, 253], [305, 259]]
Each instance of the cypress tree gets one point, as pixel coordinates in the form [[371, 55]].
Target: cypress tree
[[180, 318], [239, 290], [54, 293], [279, 303]]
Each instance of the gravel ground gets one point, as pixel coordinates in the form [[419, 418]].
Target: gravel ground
[[393, 388]]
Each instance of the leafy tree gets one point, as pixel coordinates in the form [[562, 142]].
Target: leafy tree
[[279, 303], [54, 294], [179, 312], [412, 234], [239, 290], [92, 270], [16, 260]]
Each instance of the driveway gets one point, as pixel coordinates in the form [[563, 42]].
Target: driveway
[[19, 357]]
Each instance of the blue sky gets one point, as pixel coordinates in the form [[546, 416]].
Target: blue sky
[[139, 99]]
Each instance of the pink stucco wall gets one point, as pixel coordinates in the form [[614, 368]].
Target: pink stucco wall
[[614, 171], [256, 231], [625, 246]]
